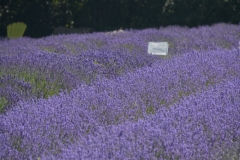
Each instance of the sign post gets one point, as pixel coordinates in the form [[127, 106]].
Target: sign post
[[158, 48]]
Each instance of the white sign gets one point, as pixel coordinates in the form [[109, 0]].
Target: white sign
[[158, 48]]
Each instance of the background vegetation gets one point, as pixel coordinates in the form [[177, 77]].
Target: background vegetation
[[42, 16]]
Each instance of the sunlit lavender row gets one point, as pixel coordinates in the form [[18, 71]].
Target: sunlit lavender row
[[101, 96]]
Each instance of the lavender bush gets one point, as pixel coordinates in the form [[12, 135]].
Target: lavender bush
[[200, 126], [101, 96]]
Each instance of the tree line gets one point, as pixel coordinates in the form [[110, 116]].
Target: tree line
[[42, 16]]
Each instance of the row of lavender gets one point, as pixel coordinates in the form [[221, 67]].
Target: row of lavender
[[201, 126], [26, 71], [181, 40], [42, 74], [47, 66], [201, 118]]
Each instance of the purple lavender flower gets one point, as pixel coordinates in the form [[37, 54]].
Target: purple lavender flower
[[101, 96]]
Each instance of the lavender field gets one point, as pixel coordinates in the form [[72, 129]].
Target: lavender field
[[101, 96]]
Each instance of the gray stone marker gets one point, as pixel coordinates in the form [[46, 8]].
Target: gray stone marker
[[158, 48]]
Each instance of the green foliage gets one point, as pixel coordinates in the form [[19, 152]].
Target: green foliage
[[42, 86], [194, 13], [3, 103], [41, 16], [150, 110], [41, 20]]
